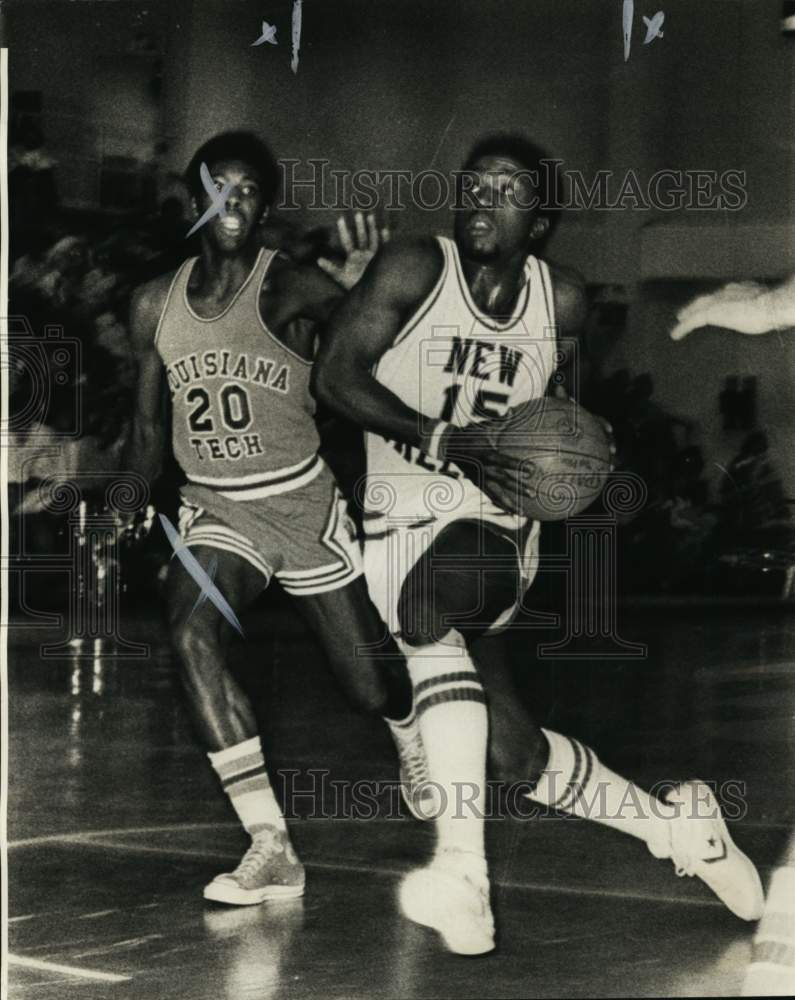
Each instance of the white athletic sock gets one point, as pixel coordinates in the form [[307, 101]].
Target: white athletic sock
[[575, 781], [451, 710], [241, 769]]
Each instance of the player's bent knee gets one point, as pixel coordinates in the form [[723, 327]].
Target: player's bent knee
[[420, 627], [424, 637]]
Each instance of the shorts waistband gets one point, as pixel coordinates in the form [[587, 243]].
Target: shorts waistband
[[266, 484]]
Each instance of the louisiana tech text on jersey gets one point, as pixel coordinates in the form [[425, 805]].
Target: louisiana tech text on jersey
[[218, 364]]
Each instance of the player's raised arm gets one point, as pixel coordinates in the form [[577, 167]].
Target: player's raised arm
[[298, 292], [311, 292], [746, 307], [360, 244], [145, 447]]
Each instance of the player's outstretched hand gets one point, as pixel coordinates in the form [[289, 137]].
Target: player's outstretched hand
[[360, 244], [743, 306], [500, 476]]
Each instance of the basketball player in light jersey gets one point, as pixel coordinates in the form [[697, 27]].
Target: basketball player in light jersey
[[231, 333], [439, 335]]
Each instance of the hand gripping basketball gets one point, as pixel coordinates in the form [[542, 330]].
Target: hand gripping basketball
[[548, 459], [474, 449]]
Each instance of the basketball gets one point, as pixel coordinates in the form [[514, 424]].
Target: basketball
[[566, 451]]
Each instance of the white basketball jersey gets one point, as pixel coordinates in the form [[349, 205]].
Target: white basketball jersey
[[454, 362]]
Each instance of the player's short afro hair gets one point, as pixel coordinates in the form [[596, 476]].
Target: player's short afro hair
[[523, 151], [243, 146]]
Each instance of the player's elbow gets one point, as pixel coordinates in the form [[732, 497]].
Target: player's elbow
[[320, 382]]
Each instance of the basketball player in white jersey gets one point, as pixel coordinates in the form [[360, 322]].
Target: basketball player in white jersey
[[231, 333], [439, 335]]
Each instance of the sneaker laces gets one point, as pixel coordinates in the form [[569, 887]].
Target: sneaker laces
[[412, 758], [415, 763], [263, 847]]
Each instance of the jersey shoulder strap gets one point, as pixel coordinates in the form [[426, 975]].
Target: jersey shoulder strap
[[175, 292], [433, 295], [539, 279]]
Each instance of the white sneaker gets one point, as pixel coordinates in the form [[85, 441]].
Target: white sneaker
[[454, 903], [270, 869], [416, 788], [700, 845]]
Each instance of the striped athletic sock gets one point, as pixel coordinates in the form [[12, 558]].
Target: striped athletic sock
[[772, 968], [451, 710], [244, 778], [575, 781]]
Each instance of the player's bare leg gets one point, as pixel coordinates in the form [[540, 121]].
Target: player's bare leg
[[226, 723], [366, 663]]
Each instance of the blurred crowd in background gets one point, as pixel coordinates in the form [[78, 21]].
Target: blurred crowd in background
[[78, 270]]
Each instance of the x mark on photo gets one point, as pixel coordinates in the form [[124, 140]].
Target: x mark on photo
[[218, 199]]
